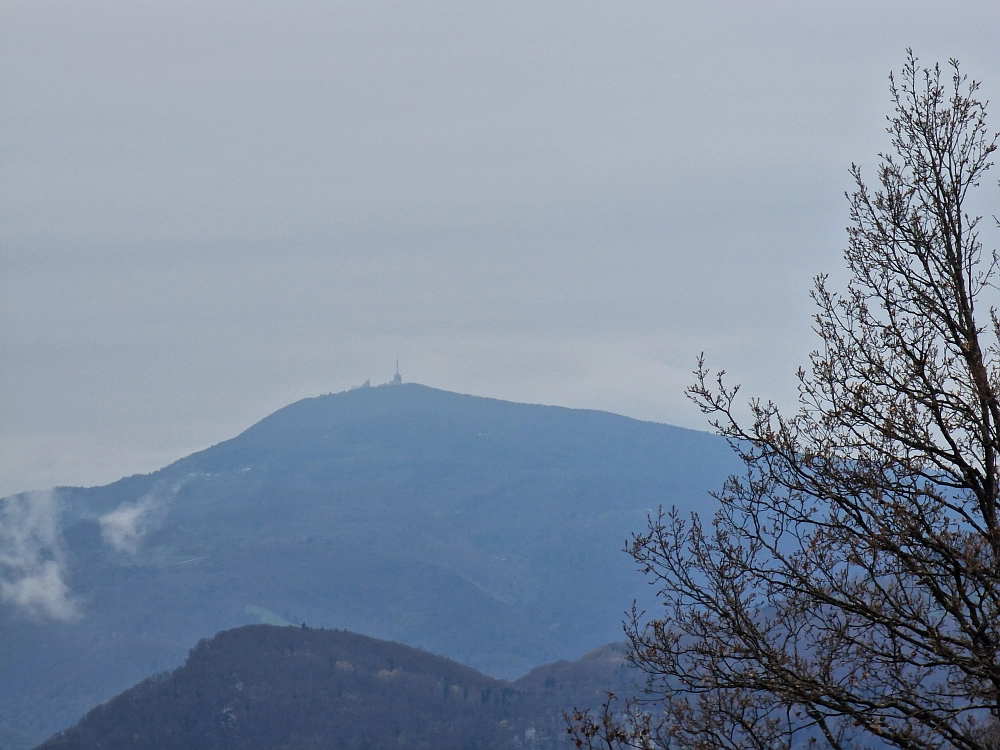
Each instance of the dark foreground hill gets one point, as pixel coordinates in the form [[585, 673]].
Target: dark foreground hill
[[263, 687], [486, 531]]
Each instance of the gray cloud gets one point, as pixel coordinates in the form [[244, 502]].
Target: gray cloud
[[211, 209], [125, 526], [32, 568]]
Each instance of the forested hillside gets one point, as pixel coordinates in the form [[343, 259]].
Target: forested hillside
[[263, 687], [486, 531]]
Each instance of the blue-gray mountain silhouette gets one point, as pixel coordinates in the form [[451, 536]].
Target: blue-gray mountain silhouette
[[487, 531], [261, 687]]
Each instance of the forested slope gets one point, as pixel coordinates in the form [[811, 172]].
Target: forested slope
[[264, 687], [486, 531]]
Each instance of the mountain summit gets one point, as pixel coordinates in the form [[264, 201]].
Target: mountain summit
[[486, 531]]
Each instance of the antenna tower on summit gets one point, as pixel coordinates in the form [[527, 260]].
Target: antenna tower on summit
[[398, 379]]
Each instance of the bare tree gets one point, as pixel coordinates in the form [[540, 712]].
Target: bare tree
[[847, 592]]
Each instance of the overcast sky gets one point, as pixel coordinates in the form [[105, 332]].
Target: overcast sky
[[211, 209]]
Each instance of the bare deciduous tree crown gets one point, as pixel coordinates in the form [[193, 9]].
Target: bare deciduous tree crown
[[847, 592]]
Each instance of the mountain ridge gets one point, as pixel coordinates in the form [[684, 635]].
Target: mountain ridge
[[260, 686], [486, 531]]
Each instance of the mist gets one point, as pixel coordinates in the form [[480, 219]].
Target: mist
[[32, 557]]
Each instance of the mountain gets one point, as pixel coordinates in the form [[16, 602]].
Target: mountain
[[261, 687], [13, 741], [487, 531]]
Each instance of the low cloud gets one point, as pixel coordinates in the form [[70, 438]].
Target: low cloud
[[32, 565], [126, 525]]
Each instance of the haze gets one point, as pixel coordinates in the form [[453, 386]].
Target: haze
[[211, 209]]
